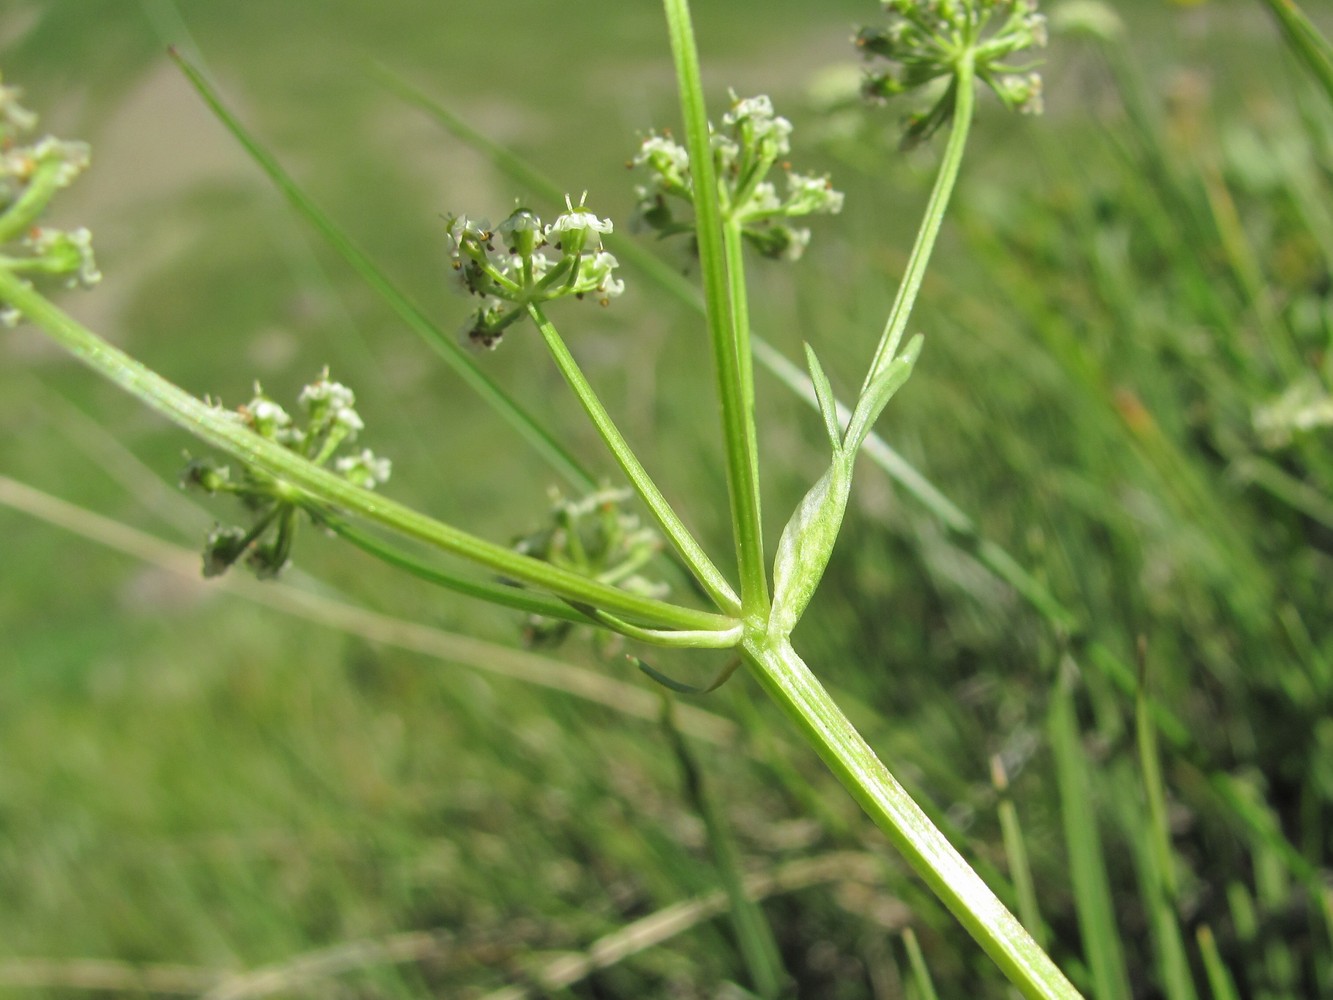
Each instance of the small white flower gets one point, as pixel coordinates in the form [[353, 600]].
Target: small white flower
[[764, 198], [579, 220], [265, 417], [596, 275], [808, 194], [365, 469], [664, 155], [73, 158], [13, 114]]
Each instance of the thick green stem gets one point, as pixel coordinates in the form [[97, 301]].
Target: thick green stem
[[737, 419], [738, 296], [901, 311], [685, 543], [223, 430], [789, 681]]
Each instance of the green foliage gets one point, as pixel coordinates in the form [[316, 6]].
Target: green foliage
[[1127, 298]]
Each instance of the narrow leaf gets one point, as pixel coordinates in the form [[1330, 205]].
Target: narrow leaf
[[807, 543], [878, 393], [828, 403]]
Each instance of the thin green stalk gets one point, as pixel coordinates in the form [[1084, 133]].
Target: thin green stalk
[[790, 683], [37, 193], [440, 342], [396, 633], [925, 986], [901, 310], [307, 480], [685, 543], [737, 418], [518, 598], [738, 295], [1016, 853]]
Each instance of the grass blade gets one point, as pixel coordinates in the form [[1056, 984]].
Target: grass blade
[[1087, 863], [1015, 852], [1310, 46], [925, 986], [754, 935], [1219, 978]]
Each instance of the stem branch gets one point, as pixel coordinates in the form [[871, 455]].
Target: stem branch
[[222, 430], [690, 551]]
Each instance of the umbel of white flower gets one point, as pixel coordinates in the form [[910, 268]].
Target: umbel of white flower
[[30, 176], [524, 262], [330, 422], [745, 149], [925, 40]]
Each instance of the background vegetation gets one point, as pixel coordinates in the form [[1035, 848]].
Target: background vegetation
[[199, 781]]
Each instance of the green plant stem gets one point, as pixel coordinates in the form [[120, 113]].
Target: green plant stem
[[308, 481], [790, 683], [441, 343], [738, 297], [901, 310], [518, 598], [713, 582], [737, 418]]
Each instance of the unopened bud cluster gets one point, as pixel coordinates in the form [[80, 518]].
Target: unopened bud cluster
[[751, 141], [330, 424], [926, 40], [523, 261], [595, 537], [30, 175]]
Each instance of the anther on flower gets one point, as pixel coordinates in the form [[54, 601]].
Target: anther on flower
[[30, 176], [752, 140], [929, 40], [330, 422], [524, 261]]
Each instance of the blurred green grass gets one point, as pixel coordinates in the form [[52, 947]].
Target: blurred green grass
[[186, 779]]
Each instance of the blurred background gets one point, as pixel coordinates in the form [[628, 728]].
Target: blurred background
[[317, 788]]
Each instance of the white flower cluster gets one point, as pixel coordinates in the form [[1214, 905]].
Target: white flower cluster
[[30, 175], [923, 39], [753, 138], [522, 262]]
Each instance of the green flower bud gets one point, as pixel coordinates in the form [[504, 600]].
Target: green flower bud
[[222, 548]]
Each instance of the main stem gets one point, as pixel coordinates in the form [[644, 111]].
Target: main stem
[[737, 415], [787, 679]]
